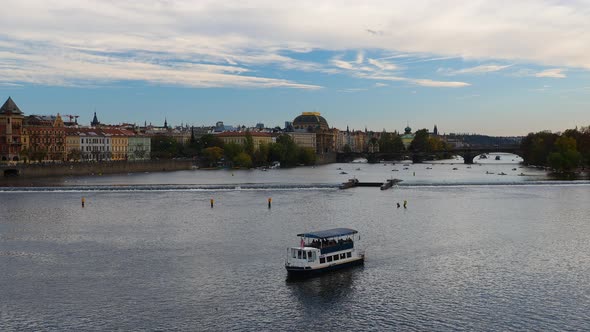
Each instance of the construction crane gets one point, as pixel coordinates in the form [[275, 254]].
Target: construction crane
[[75, 117]]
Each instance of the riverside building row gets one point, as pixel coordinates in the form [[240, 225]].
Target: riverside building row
[[49, 138]]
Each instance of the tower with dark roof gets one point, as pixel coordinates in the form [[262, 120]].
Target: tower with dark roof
[[435, 131], [94, 122], [11, 124], [10, 107]]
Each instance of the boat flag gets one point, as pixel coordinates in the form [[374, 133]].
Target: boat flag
[[302, 243]]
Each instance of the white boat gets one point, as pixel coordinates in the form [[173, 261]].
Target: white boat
[[324, 251]]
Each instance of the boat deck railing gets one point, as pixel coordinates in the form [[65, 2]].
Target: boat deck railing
[[330, 246]]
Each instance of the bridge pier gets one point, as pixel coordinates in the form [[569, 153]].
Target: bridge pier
[[417, 158], [468, 157]]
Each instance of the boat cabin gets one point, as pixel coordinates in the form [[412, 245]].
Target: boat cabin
[[324, 249]]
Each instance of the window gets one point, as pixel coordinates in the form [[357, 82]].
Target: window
[[329, 259], [322, 260], [305, 255], [336, 257], [311, 256], [298, 254], [294, 253], [348, 254], [342, 256]]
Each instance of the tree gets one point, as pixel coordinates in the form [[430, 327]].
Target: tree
[[289, 148], [566, 156], [261, 155], [231, 150], [420, 142], [390, 143], [242, 159], [212, 155], [306, 156], [165, 147], [249, 144], [74, 155], [208, 140]]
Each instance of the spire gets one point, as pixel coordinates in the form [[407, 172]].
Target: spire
[[94, 122], [165, 123], [435, 131], [10, 107]]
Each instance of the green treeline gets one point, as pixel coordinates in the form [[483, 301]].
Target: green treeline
[[563, 152], [211, 152]]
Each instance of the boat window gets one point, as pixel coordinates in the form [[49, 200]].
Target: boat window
[[294, 253], [342, 256], [311, 256], [299, 254], [335, 257], [348, 254], [322, 260], [304, 254], [329, 259]]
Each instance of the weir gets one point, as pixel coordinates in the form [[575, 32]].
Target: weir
[[383, 185]]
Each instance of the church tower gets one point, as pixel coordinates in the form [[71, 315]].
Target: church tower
[[94, 122]]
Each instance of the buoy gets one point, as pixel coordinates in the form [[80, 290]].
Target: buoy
[[398, 206], [212, 202], [269, 202], [405, 204], [83, 201]]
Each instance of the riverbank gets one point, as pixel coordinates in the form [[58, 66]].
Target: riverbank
[[94, 168]]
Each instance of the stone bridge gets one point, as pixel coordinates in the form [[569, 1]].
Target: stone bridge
[[468, 153]]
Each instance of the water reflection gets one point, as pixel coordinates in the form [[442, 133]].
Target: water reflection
[[326, 288]]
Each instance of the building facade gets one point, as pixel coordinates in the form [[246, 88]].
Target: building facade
[[239, 137], [11, 131], [46, 137], [139, 148], [304, 140]]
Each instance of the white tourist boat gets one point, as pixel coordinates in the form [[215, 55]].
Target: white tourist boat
[[324, 251]]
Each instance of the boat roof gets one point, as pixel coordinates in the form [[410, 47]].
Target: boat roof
[[334, 232]]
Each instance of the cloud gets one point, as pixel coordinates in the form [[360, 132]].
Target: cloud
[[482, 69], [383, 65], [417, 81], [438, 84], [342, 64], [83, 69], [380, 85], [162, 36], [352, 90], [360, 58], [553, 73]]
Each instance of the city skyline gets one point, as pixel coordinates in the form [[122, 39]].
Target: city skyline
[[489, 68]]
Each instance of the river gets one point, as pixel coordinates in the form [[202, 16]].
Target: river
[[473, 251]]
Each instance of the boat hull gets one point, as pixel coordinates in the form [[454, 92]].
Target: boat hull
[[301, 272]]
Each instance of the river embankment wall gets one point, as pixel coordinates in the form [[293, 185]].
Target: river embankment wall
[[73, 169], [326, 158]]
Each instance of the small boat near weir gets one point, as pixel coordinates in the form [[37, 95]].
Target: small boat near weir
[[324, 251]]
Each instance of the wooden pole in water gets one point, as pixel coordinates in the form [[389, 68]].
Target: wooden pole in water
[[269, 202], [212, 202], [83, 201]]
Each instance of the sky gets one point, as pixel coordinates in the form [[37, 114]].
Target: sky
[[490, 67]]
